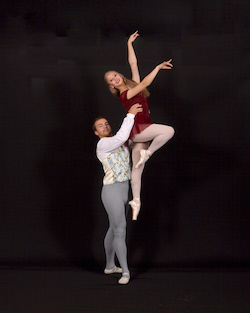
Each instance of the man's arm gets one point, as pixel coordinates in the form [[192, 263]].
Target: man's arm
[[108, 144]]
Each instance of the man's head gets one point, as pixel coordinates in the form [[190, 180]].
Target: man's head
[[101, 127]]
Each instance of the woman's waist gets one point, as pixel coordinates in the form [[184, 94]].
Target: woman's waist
[[141, 117]]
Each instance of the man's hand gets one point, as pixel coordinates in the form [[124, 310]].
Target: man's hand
[[136, 108]]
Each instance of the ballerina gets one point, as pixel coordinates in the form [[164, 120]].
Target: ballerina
[[146, 136]]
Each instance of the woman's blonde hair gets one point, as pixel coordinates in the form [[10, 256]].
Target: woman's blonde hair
[[116, 92]]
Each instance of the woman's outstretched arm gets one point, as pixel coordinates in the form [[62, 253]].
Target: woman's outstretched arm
[[132, 60], [166, 65]]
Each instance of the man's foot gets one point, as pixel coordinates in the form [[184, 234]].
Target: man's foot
[[145, 155], [113, 270], [124, 279]]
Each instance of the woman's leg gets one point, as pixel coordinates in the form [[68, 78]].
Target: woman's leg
[[137, 172], [158, 134], [136, 178], [114, 197]]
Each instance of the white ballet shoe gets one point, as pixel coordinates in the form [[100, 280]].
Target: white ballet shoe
[[135, 205], [145, 155], [113, 270], [124, 279]]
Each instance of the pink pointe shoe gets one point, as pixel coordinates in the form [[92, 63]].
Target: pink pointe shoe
[[145, 155], [135, 205]]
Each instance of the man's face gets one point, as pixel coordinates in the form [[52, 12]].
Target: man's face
[[103, 128]]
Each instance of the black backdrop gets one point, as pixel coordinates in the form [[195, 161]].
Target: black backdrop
[[195, 189]]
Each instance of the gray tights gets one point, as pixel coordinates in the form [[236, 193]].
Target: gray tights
[[114, 198]]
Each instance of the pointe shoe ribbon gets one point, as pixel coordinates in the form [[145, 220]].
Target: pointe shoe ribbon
[[145, 155], [135, 205]]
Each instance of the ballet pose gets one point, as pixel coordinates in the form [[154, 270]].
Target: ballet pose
[[147, 137], [114, 156]]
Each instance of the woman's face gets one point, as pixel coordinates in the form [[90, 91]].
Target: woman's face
[[114, 79]]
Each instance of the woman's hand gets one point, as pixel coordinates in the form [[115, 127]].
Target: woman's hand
[[166, 65], [133, 37], [132, 60]]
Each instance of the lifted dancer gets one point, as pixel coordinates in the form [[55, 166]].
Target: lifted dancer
[[114, 156], [143, 131]]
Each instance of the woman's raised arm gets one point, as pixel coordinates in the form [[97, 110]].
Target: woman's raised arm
[[132, 60], [166, 65]]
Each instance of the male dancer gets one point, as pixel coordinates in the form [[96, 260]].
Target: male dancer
[[114, 157]]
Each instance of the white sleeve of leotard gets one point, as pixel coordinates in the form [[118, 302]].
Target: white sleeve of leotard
[[107, 145]]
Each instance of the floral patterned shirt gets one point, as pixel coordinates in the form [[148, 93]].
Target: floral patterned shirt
[[114, 155]]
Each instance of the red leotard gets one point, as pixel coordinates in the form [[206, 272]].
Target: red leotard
[[142, 119]]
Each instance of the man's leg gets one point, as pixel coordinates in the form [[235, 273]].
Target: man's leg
[[109, 249], [114, 197]]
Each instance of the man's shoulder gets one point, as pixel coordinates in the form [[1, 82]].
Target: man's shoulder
[[102, 142]]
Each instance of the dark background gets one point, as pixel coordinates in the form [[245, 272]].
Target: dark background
[[195, 208]]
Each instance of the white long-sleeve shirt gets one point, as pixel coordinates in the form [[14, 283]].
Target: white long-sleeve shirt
[[113, 155]]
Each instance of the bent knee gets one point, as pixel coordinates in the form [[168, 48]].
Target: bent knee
[[170, 131]]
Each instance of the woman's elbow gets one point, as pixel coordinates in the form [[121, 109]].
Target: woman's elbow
[[144, 84]]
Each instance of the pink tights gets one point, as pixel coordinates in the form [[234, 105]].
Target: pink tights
[[159, 135]]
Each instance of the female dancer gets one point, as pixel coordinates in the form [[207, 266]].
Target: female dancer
[[144, 131]]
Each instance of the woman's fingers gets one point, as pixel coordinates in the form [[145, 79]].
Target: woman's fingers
[[167, 64], [134, 36]]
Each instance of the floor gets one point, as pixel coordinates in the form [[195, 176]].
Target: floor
[[73, 290]]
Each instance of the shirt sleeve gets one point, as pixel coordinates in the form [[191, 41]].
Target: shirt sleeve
[[107, 145]]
